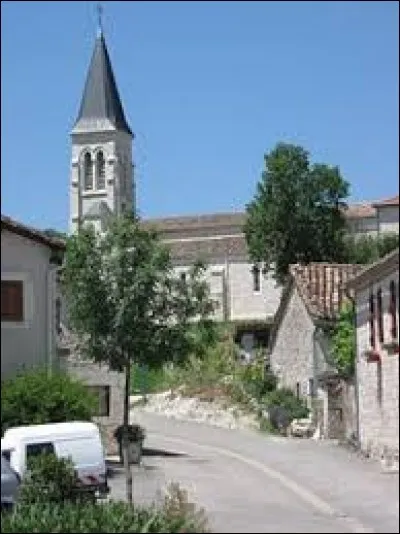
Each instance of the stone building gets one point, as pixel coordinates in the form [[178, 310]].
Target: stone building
[[243, 294], [374, 218], [299, 349], [376, 290]]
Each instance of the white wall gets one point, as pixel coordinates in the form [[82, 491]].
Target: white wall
[[27, 343], [245, 303], [363, 226], [388, 219], [231, 284]]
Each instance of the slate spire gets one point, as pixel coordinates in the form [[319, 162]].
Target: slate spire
[[100, 101]]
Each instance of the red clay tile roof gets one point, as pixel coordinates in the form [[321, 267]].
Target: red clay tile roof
[[196, 225], [322, 286], [31, 233], [393, 201], [383, 267], [209, 249], [359, 211], [175, 225]]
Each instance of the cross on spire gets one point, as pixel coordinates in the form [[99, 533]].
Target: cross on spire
[[99, 18]]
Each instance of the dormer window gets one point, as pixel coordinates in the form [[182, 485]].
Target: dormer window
[[100, 171], [88, 172]]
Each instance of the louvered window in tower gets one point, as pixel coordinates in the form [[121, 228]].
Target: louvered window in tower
[[100, 171], [88, 172]]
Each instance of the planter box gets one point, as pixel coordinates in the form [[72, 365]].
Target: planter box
[[135, 451], [372, 356]]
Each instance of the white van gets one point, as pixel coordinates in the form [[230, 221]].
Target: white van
[[80, 441]]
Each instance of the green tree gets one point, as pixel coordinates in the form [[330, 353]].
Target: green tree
[[297, 212], [367, 249], [125, 303], [343, 341]]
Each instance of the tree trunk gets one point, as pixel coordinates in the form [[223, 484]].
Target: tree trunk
[[125, 441]]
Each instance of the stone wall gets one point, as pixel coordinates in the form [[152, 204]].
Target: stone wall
[[95, 375], [292, 354], [378, 382]]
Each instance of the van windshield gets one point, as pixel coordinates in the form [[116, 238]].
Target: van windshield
[[82, 451]]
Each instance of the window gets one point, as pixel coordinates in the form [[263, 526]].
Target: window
[[372, 339], [12, 301], [88, 172], [36, 449], [379, 313], [256, 278], [393, 309], [102, 394], [100, 171]]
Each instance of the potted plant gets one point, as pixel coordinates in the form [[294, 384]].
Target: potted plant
[[136, 437]]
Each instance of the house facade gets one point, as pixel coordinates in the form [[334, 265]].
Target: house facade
[[376, 291], [29, 303], [374, 218], [299, 349]]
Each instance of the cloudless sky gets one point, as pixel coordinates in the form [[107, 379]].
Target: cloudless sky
[[208, 88]]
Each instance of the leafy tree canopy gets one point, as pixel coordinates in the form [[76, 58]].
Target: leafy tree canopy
[[297, 212], [124, 300]]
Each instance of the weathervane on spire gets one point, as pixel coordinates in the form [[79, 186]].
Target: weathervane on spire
[[99, 18]]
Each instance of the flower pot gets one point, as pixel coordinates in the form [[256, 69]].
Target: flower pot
[[372, 356], [135, 450]]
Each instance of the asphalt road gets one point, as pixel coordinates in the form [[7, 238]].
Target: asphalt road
[[249, 482]]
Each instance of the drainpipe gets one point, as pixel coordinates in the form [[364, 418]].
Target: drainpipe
[[226, 292], [315, 379], [356, 385]]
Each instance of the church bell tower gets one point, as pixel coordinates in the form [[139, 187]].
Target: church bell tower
[[102, 181]]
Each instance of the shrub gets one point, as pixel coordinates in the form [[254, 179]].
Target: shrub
[[37, 397], [343, 341], [290, 406], [256, 378], [49, 480], [108, 517], [49, 501], [176, 514]]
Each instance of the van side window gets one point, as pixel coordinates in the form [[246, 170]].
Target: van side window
[[35, 449], [7, 455]]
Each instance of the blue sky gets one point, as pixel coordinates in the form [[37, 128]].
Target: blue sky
[[208, 88]]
